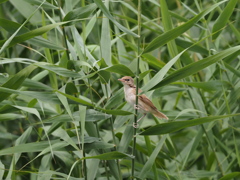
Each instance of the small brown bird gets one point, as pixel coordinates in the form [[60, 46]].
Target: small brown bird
[[145, 105]]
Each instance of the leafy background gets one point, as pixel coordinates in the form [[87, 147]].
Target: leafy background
[[62, 111]]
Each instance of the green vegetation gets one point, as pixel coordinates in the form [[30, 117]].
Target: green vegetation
[[62, 109]]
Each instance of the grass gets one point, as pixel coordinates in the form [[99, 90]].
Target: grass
[[62, 110]]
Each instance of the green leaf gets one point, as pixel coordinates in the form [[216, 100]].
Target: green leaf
[[2, 167], [46, 4], [79, 14], [119, 69], [71, 89], [194, 67], [223, 18], [94, 116], [159, 76], [58, 70], [42, 96], [29, 147], [16, 81], [12, 26], [109, 156], [10, 116], [168, 25], [126, 139], [110, 17], [29, 110], [193, 47], [232, 69], [174, 33], [115, 112], [114, 100], [41, 42], [31, 34], [62, 134], [79, 100], [207, 86], [177, 125], [230, 176], [148, 165], [2, 1]]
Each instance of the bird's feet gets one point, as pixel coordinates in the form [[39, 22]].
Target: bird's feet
[[135, 125], [136, 107]]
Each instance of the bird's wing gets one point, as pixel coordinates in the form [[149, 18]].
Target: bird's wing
[[147, 101]]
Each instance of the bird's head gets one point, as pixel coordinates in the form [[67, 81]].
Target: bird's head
[[127, 80]]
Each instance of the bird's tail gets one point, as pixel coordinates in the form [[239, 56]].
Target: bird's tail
[[160, 115]]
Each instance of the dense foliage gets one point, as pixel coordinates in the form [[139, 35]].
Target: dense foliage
[[62, 108]]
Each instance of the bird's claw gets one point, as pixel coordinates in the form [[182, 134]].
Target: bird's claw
[[135, 125], [136, 107]]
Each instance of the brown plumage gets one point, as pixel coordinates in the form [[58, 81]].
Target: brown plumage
[[145, 105]]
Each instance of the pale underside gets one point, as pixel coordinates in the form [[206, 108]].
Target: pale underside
[[144, 104]]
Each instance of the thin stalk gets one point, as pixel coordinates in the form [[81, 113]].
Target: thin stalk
[[114, 139], [137, 85], [101, 151], [115, 148], [63, 30], [84, 165]]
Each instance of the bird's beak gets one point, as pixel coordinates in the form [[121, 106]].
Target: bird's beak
[[121, 80]]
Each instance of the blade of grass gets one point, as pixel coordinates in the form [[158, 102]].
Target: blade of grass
[[195, 67], [148, 165], [110, 17], [223, 18], [174, 33], [16, 81], [170, 127]]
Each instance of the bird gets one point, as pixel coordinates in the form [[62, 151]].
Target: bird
[[144, 105]]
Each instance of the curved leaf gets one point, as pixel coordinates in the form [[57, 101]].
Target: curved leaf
[[195, 67], [31, 147], [177, 125], [16, 81], [174, 33], [109, 156], [230, 176], [110, 17], [115, 112], [119, 69], [31, 34], [207, 86], [81, 101], [10, 116], [58, 70], [148, 165], [223, 18], [79, 13]]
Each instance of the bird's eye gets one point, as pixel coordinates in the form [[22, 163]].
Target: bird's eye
[[126, 79]]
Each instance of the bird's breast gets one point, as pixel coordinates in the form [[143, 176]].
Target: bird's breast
[[130, 95]]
